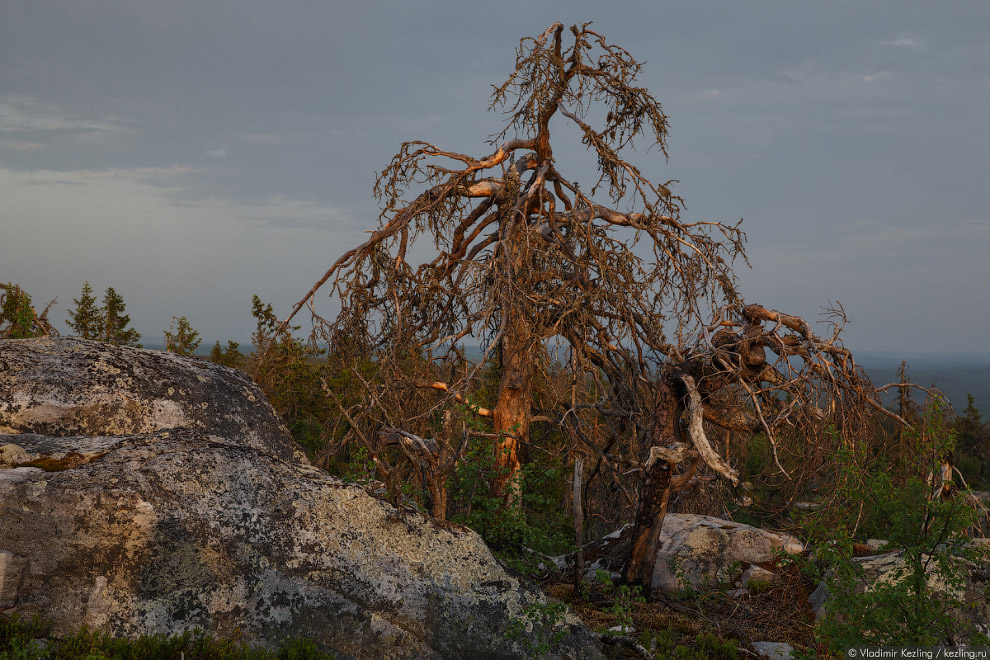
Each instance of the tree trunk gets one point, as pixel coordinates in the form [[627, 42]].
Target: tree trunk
[[438, 493], [512, 414], [513, 411], [654, 492], [578, 521]]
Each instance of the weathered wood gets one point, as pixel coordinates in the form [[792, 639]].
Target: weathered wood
[[696, 430], [512, 416], [654, 497], [578, 520], [654, 493]]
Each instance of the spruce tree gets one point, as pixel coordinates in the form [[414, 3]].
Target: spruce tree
[[85, 320], [973, 445], [968, 426], [184, 340], [115, 330], [230, 356], [17, 317]]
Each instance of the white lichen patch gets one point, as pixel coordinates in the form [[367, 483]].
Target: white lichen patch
[[168, 413], [11, 455]]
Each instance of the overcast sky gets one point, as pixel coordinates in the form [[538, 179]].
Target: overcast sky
[[191, 154]]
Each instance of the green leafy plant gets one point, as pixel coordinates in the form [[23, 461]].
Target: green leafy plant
[[922, 596], [623, 599], [546, 626], [520, 536], [28, 640]]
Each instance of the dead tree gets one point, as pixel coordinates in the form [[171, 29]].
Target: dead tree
[[506, 249], [638, 304], [751, 370]]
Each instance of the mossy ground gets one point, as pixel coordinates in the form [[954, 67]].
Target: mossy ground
[[701, 625], [29, 640]]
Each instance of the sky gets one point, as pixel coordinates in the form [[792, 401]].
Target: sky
[[191, 154]]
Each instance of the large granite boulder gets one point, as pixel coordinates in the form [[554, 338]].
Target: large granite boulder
[[696, 552], [219, 522]]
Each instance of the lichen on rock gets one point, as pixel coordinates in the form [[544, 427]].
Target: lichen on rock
[[165, 519]]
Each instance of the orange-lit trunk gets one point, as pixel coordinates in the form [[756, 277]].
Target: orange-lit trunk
[[513, 412]]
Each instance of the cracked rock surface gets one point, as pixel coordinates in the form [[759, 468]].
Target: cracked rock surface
[[131, 514]]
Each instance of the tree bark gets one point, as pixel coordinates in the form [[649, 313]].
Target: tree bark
[[654, 493], [438, 493], [513, 412]]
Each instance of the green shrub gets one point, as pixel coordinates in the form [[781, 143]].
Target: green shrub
[[713, 647], [623, 599], [518, 536], [546, 626], [903, 507]]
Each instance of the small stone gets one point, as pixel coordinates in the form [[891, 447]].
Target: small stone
[[774, 650], [756, 575]]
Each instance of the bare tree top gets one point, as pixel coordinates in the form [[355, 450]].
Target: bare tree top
[[510, 235]]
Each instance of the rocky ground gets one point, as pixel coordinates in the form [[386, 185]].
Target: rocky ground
[[143, 493]]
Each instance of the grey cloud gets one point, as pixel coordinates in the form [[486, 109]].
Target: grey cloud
[[826, 125]]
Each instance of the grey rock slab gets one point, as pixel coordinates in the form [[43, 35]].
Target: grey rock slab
[[179, 529], [65, 386]]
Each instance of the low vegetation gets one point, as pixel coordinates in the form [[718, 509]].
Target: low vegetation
[[30, 640], [881, 489], [612, 384]]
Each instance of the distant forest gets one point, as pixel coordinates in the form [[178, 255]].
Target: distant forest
[[956, 375]]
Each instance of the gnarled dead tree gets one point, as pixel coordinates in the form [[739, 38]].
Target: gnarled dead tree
[[637, 305], [752, 370], [505, 249]]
